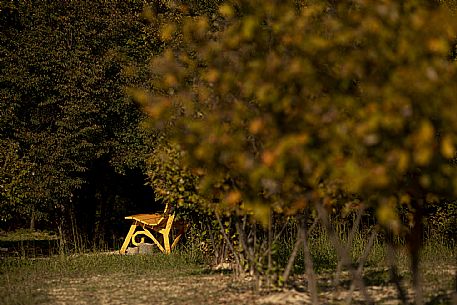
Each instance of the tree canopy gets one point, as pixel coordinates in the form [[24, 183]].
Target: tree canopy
[[273, 101], [277, 106], [63, 103]]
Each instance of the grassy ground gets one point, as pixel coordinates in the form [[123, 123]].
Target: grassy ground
[[28, 243], [115, 279], [177, 279], [24, 234]]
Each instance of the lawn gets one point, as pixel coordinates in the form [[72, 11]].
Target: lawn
[[115, 279], [108, 278]]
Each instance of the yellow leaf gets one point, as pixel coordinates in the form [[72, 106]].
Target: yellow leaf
[[387, 214], [423, 143], [426, 132], [157, 108], [249, 26], [425, 181], [262, 213], [437, 45], [170, 80], [423, 155], [212, 75], [268, 158], [354, 176], [226, 10], [447, 147], [167, 31], [139, 95], [403, 161], [233, 198], [149, 14], [405, 199], [263, 92], [256, 126]]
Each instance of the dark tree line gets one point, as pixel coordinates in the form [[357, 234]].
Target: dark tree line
[[70, 139]]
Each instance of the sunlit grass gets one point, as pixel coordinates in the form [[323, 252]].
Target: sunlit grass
[[25, 234], [26, 280], [29, 280]]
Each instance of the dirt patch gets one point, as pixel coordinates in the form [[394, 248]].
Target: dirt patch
[[149, 289], [158, 279], [205, 289]]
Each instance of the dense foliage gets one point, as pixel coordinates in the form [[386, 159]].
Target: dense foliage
[[274, 102], [64, 114], [278, 106], [261, 115]]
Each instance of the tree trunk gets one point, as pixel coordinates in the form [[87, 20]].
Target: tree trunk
[[32, 220]]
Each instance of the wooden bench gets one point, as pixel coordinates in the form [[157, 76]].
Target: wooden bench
[[161, 224]]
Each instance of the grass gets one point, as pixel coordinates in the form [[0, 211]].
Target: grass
[[435, 251], [25, 234], [117, 279], [28, 243], [180, 277], [27, 280], [438, 268]]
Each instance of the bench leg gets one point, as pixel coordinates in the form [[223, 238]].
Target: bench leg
[[175, 242], [181, 231], [166, 242], [127, 239], [166, 234]]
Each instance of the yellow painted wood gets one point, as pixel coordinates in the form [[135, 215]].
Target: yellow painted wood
[[162, 224], [127, 239], [166, 234], [148, 234], [175, 242]]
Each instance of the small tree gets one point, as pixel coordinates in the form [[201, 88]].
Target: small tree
[[279, 104]]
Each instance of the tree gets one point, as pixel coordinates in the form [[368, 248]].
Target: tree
[[280, 105], [64, 109]]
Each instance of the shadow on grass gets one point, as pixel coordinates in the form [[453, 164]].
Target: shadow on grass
[[440, 299], [376, 277], [323, 264], [210, 271], [380, 278]]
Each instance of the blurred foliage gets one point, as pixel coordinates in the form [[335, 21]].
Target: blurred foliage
[[279, 104], [170, 178]]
